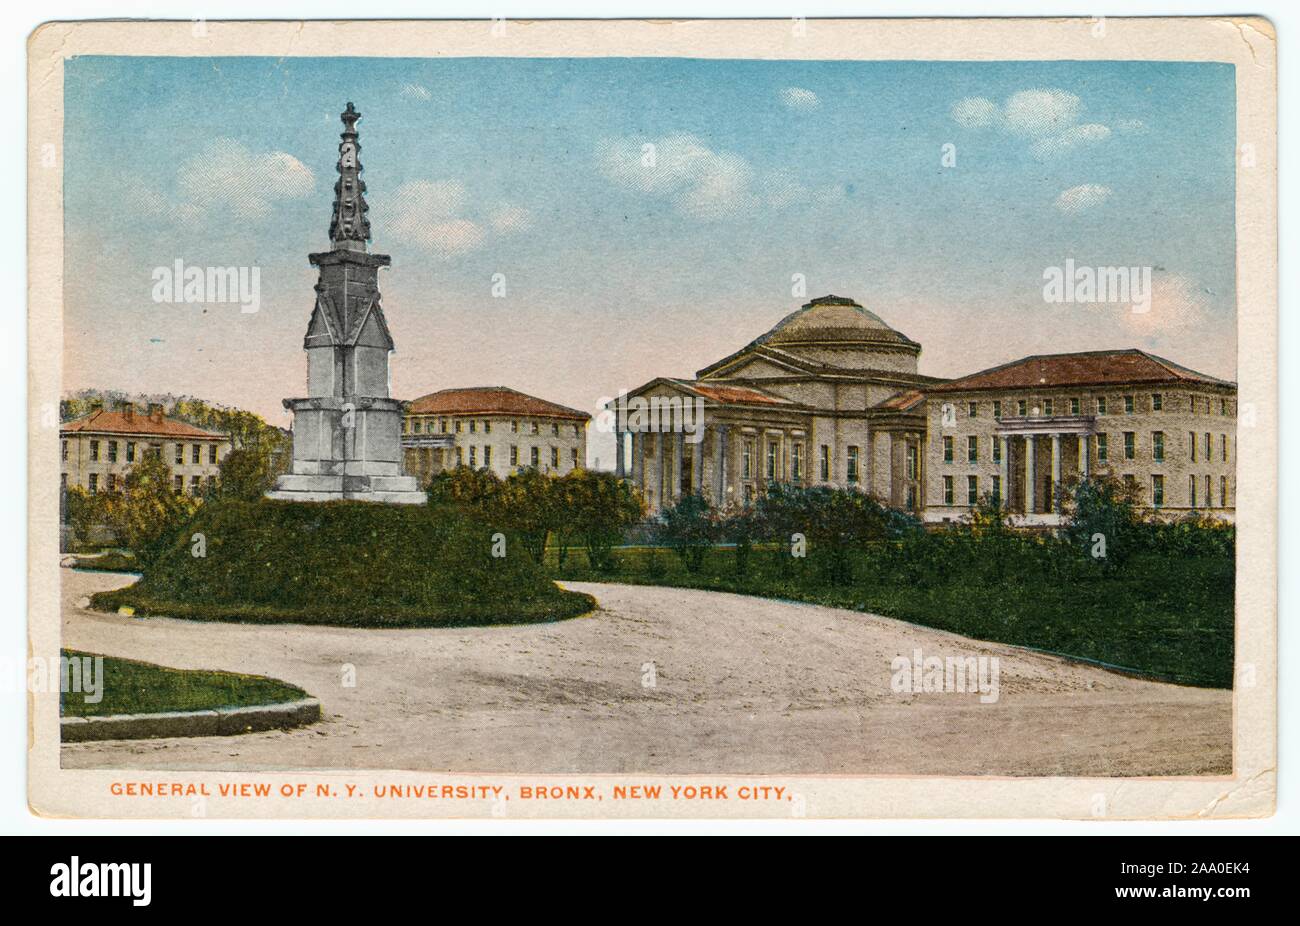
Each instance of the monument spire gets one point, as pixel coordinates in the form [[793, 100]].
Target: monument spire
[[349, 226], [347, 430]]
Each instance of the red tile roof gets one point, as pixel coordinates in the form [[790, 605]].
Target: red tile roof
[[902, 401], [490, 400], [738, 395], [1091, 368], [138, 424]]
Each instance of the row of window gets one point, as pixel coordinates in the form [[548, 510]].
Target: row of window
[[109, 450], [1204, 442], [534, 456], [1195, 499], [473, 425], [113, 483], [772, 469], [1155, 402], [972, 489]]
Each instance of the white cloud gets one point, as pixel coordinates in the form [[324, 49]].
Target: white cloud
[[1082, 198], [1179, 305], [976, 112], [415, 92], [1040, 112], [782, 189], [1047, 119], [438, 216], [799, 98], [700, 181], [429, 214], [1078, 136], [508, 217], [227, 178]]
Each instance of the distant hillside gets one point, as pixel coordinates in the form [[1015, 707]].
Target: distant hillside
[[245, 429]]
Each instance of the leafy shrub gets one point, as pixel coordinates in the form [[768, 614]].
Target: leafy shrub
[[690, 527], [1100, 520], [351, 563]]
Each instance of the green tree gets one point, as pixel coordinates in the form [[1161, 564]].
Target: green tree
[[475, 490], [690, 526], [834, 522], [600, 509], [740, 528], [148, 513], [82, 511], [245, 474], [1101, 519], [531, 505]]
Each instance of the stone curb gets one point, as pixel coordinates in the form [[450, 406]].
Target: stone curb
[[225, 722]]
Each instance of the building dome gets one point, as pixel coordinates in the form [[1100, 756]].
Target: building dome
[[833, 320], [837, 331]]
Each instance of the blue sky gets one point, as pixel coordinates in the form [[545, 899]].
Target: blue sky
[[617, 269]]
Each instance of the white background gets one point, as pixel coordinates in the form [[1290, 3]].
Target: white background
[[21, 19]]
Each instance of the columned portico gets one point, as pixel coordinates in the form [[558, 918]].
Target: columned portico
[[1037, 501]]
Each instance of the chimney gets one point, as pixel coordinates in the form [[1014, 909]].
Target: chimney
[[128, 411], [155, 412]]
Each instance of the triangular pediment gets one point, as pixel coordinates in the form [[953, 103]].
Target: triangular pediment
[[371, 329], [321, 329]]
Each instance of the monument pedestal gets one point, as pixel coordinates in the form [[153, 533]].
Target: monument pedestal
[[347, 449]]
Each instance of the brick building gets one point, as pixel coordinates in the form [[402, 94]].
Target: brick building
[[1167, 430], [491, 427], [97, 450]]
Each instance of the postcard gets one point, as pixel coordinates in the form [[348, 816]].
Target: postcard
[[653, 419]]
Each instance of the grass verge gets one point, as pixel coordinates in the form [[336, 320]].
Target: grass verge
[[130, 687]]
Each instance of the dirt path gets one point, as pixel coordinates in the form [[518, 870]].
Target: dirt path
[[741, 685]]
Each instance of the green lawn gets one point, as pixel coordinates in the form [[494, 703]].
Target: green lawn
[[1163, 615], [111, 561], [131, 687]]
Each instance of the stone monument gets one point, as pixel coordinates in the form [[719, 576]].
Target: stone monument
[[347, 431]]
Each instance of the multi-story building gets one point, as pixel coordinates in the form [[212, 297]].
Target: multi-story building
[[832, 396], [494, 428], [1019, 431], [97, 450]]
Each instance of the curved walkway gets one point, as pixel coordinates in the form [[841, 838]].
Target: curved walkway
[[659, 680]]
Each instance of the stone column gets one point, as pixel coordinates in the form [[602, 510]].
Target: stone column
[[1056, 473], [679, 462], [619, 469], [638, 460], [1005, 444], [697, 465], [1085, 461], [1029, 474], [661, 480], [720, 464]]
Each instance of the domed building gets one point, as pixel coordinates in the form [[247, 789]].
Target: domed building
[[830, 395]]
